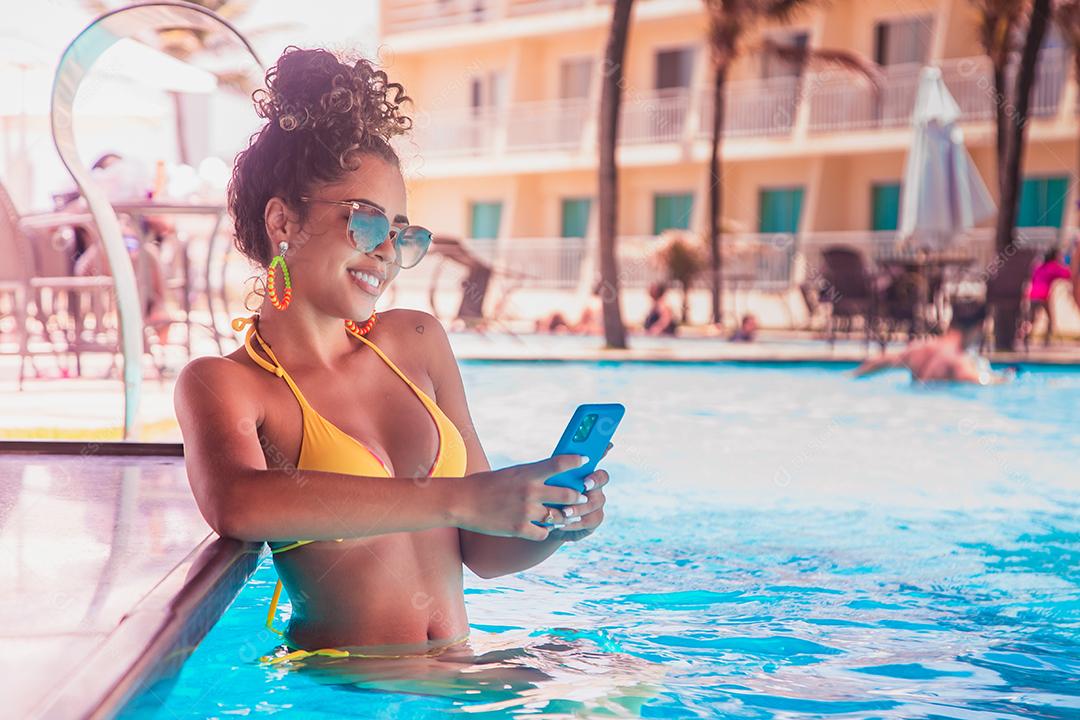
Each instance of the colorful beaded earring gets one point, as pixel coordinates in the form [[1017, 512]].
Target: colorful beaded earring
[[279, 259]]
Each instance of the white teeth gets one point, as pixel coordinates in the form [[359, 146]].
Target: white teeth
[[369, 279]]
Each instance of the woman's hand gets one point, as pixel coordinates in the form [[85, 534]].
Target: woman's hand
[[506, 502], [591, 514]]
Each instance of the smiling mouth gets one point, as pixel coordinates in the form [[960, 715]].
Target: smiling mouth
[[366, 281]]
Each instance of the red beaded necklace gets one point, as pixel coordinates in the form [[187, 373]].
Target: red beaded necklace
[[358, 330]]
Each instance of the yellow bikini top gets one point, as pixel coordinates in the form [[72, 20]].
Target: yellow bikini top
[[325, 446]]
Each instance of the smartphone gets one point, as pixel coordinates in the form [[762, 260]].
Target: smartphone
[[588, 433]]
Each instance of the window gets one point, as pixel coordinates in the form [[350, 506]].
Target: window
[[778, 210], [672, 211], [575, 217], [902, 41], [575, 78], [488, 90], [772, 65], [674, 68], [1042, 202], [885, 206], [484, 220]]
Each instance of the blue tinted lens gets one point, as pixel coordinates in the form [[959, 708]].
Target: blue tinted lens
[[413, 242], [367, 228]]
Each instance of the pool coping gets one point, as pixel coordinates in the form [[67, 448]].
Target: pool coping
[[155, 637]]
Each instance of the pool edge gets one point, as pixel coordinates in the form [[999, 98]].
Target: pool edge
[[154, 639]]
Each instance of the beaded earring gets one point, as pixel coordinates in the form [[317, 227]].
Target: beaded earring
[[279, 259]]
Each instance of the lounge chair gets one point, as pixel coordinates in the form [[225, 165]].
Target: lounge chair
[[53, 302], [850, 290]]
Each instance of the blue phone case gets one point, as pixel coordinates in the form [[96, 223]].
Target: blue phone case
[[596, 423]]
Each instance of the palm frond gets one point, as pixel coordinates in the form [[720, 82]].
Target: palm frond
[[804, 56], [784, 11]]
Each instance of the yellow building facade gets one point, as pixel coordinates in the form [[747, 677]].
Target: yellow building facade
[[506, 94]]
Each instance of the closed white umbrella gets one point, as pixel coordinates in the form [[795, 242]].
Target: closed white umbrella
[[943, 193]]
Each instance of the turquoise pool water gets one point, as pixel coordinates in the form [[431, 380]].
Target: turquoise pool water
[[781, 542]]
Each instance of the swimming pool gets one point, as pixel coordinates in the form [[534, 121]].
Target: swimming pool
[[781, 541]]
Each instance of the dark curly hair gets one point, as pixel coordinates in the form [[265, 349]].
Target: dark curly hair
[[322, 115]]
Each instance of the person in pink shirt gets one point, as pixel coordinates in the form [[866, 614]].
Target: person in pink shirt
[[1042, 279]]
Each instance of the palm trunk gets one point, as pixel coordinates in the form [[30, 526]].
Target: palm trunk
[[1005, 321], [608, 192], [716, 193], [1002, 120]]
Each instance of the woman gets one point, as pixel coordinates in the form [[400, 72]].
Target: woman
[[348, 446], [1042, 279], [660, 320]]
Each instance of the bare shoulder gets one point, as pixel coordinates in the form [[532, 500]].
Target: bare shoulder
[[414, 328], [211, 381], [417, 330]]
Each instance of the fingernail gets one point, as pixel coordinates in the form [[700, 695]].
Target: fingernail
[[568, 511], [589, 483], [572, 520], [581, 500], [584, 460]]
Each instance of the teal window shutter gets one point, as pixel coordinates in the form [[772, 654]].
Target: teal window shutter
[[1042, 202], [575, 217], [484, 220], [672, 211], [885, 206], [779, 209]]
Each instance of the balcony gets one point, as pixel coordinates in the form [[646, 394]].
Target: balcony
[[409, 15], [763, 262], [970, 80], [838, 102], [754, 108]]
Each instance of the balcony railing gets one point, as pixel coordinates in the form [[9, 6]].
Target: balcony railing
[[839, 101], [844, 101], [764, 262], [754, 108], [408, 15], [971, 82], [546, 124], [464, 132]]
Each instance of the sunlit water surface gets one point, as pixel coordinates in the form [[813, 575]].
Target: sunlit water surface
[[780, 542]]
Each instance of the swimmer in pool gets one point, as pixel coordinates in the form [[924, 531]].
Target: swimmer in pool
[[948, 358], [338, 435]]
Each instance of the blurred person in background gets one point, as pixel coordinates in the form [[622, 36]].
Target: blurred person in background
[[1043, 277], [123, 180], [660, 319]]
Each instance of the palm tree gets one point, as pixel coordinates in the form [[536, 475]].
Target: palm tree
[[730, 21], [999, 24], [1005, 232], [607, 195]]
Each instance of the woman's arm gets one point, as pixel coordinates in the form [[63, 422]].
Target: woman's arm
[[877, 364], [240, 497], [486, 555]]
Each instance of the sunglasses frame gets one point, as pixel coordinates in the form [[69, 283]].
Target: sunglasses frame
[[355, 205]]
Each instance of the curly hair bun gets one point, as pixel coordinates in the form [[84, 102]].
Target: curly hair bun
[[315, 90]]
